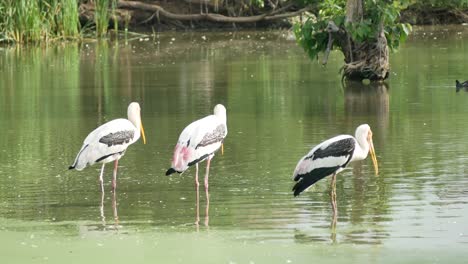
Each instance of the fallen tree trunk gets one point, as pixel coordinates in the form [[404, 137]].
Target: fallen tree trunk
[[207, 16], [186, 17], [189, 13]]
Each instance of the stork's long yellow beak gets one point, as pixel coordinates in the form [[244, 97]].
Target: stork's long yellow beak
[[222, 149], [143, 132], [374, 157]]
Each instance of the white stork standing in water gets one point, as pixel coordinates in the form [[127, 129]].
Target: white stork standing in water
[[331, 156], [109, 142], [199, 141]]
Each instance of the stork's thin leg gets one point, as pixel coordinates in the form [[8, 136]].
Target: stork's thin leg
[[333, 228], [101, 209], [196, 177], [334, 207], [101, 178], [114, 179], [207, 173], [114, 208], [197, 216], [207, 209], [333, 195]]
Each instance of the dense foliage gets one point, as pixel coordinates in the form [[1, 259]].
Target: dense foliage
[[25, 20], [378, 13], [32, 21], [442, 3]]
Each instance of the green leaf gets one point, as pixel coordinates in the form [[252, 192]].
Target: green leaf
[[406, 28]]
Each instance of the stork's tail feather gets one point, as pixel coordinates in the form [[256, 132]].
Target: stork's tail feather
[[307, 180], [81, 160], [302, 185], [170, 171]]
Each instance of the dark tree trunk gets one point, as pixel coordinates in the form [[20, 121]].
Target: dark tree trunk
[[368, 59]]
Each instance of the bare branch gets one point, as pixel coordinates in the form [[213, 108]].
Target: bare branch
[[211, 16]]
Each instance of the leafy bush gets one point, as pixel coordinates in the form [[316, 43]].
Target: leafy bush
[[313, 38]]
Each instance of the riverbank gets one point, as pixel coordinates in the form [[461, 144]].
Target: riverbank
[[416, 15], [200, 15], [23, 21], [196, 15]]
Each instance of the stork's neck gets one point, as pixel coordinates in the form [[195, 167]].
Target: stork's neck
[[362, 148], [136, 121], [221, 116], [137, 124]]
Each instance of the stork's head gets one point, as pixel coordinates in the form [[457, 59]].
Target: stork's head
[[364, 137], [134, 115], [220, 112]]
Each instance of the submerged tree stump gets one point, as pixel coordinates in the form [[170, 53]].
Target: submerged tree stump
[[366, 60]]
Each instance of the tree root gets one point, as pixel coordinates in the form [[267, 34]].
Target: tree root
[[209, 16], [371, 61]]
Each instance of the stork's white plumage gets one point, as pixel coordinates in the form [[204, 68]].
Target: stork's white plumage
[[332, 156], [109, 142], [199, 141]]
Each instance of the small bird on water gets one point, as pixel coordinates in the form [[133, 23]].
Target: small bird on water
[[459, 85], [109, 142]]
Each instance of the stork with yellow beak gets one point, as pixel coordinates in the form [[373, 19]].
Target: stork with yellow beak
[[199, 141], [332, 156], [109, 142]]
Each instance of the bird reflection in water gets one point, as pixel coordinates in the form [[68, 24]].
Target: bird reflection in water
[[115, 225], [335, 209], [207, 206]]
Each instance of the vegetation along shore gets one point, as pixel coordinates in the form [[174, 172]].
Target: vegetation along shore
[[24, 21]]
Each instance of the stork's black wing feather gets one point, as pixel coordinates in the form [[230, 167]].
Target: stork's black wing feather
[[306, 180], [117, 138], [340, 148], [210, 138]]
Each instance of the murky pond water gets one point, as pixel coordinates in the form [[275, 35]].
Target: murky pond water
[[279, 106]]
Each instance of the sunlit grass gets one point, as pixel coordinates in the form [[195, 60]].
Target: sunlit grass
[[105, 9], [24, 21]]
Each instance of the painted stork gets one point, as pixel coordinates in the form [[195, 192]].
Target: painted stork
[[109, 142], [198, 142], [332, 156]]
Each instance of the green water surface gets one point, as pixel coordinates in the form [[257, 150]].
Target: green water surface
[[279, 105]]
